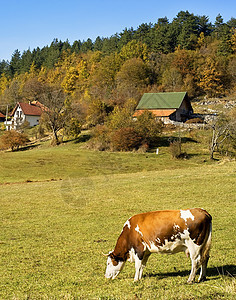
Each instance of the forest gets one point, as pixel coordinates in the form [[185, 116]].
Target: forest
[[188, 54]]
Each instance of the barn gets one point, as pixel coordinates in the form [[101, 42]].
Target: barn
[[173, 106]]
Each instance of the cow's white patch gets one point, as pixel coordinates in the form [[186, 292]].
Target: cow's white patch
[[169, 247], [176, 227], [128, 224], [132, 255], [138, 230], [178, 243], [111, 270], [186, 214]]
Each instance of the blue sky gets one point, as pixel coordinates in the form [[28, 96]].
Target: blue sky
[[27, 24]]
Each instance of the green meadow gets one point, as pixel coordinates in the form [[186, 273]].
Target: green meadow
[[61, 207]]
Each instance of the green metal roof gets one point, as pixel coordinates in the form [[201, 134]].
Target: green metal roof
[[161, 100]]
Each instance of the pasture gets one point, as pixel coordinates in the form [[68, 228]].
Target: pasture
[[62, 207]]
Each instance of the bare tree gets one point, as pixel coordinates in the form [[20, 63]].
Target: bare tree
[[222, 128], [56, 110]]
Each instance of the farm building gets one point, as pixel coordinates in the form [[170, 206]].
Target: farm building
[[25, 112], [174, 106]]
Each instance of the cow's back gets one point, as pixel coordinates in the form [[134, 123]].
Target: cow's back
[[167, 225]]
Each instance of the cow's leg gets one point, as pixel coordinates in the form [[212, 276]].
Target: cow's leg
[[140, 265], [194, 252], [203, 269], [193, 271], [138, 268]]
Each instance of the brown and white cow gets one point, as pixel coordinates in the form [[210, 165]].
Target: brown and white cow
[[168, 231]]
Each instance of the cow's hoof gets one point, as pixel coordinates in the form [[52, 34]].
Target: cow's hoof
[[202, 279], [190, 282]]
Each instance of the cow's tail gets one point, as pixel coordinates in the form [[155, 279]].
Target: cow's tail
[[207, 244]]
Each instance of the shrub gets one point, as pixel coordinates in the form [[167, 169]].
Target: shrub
[[125, 139], [100, 138], [148, 128], [122, 133], [73, 128], [175, 149], [13, 139]]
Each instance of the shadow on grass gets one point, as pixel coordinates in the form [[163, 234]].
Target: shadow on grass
[[166, 140], [29, 147], [225, 270], [81, 139]]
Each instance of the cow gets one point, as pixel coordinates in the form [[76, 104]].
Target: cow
[[167, 231]]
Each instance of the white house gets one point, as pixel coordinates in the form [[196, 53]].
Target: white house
[[22, 112]]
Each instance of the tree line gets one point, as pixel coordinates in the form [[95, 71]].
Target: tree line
[[188, 54]]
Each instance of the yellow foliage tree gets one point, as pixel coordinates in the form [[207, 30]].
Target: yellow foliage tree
[[210, 78], [76, 78], [233, 40], [4, 83], [134, 49]]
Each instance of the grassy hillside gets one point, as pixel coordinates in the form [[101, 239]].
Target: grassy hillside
[[43, 162], [62, 207]]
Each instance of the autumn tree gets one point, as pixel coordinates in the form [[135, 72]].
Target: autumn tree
[[172, 80], [13, 139], [32, 89], [132, 78], [210, 78], [134, 49]]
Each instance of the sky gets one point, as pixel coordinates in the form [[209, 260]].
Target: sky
[[28, 24]]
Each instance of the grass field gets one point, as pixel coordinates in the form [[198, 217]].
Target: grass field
[[62, 207]]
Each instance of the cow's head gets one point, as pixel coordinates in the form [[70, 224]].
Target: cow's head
[[114, 266]]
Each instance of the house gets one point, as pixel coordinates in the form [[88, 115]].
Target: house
[[174, 106], [25, 112]]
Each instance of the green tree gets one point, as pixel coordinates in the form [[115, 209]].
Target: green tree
[[125, 37], [161, 36], [186, 25], [86, 46], [15, 63], [98, 44]]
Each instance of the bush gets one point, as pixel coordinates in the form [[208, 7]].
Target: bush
[[13, 139], [175, 149], [100, 138], [125, 139], [148, 128], [73, 128], [122, 133]]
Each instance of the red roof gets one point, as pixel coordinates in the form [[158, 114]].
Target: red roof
[[156, 112], [29, 109], [2, 115]]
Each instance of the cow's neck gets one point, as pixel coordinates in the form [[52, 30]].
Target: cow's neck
[[122, 248]]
